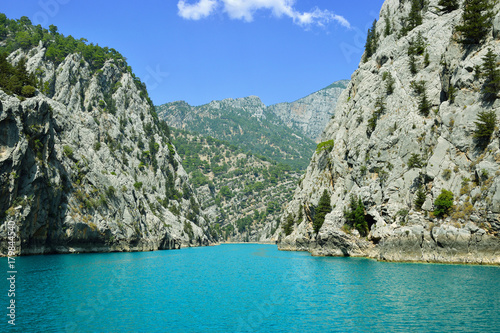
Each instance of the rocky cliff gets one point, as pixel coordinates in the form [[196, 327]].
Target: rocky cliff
[[311, 113], [85, 163], [405, 129]]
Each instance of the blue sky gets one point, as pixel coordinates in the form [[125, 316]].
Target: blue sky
[[203, 50]]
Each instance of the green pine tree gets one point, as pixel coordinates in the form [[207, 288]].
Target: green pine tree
[[355, 215], [419, 199], [485, 126], [424, 106], [476, 21], [414, 18], [288, 225], [452, 92], [371, 42], [447, 6], [324, 208], [491, 72], [413, 64]]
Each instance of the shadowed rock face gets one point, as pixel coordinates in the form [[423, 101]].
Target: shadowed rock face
[[385, 154], [88, 168]]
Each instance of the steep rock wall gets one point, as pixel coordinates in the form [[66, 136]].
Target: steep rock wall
[[375, 162]]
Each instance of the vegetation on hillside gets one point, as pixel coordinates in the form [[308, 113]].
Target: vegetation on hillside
[[15, 79], [324, 207], [247, 191], [476, 21], [266, 136]]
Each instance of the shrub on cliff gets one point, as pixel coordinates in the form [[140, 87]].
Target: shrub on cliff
[[447, 6], [443, 203]]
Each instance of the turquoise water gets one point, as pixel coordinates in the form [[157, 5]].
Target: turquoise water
[[247, 288]]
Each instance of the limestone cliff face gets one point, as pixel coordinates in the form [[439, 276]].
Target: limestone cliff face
[[87, 166], [311, 113], [385, 154]]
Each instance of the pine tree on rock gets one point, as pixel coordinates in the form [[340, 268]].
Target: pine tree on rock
[[485, 126], [415, 17], [371, 42], [491, 72], [324, 208], [447, 6], [476, 21]]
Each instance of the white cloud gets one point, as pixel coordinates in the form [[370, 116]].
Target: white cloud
[[196, 11], [319, 17], [245, 10]]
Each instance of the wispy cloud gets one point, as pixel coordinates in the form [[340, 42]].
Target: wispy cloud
[[199, 10], [245, 10]]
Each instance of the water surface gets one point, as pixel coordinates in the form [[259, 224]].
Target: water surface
[[248, 288]]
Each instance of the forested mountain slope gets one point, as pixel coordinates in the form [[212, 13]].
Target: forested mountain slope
[[242, 193]]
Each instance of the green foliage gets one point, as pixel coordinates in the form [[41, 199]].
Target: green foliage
[[355, 216], [420, 198], [110, 192], [68, 151], [443, 203], [387, 26], [446, 174], [138, 185], [413, 65], [188, 230], [415, 161], [476, 19], [447, 6], [485, 126], [424, 106], [226, 192], [371, 42], [323, 208], [288, 225], [491, 73], [28, 91], [377, 113], [325, 146], [452, 92], [427, 61], [389, 82], [417, 46], [16, 79], [414, 18]]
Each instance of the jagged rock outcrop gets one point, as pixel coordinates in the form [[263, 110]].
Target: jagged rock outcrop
[[311, 113], [390, 141], [86, 166]]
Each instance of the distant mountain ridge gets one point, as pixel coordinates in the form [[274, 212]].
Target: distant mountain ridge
[[283, 132]]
